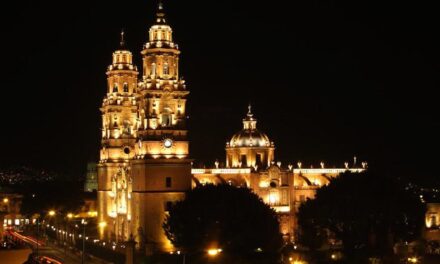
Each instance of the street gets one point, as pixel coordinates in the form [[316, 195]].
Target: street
[[47, 250]]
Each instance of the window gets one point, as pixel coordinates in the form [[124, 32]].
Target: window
[[168, 182], [433, 221], [243, 161], [258, 160], [153, 68], [125, 88], [166, 117], [166, 69], [115, 88], [166, 120]]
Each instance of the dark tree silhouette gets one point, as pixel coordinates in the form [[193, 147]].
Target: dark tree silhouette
[[234, 219], [367, 211]]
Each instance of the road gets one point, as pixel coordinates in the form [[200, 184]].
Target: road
[[54, 252]]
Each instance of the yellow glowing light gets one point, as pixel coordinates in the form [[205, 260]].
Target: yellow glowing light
[[70, 215], [102, 224], [282, 209], [221, 171], [413, 260], [5, 200], [52, 213], [325, 171], [264, 184], [214, 252], [92, 213], [428, 223], [273, 198]]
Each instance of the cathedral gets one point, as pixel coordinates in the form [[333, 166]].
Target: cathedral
[[145, 166]]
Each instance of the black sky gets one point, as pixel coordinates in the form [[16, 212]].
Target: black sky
[[327, 79]]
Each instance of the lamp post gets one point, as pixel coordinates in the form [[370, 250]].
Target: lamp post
[[84, 223], [38, 231], [69, 218], [51, 214]]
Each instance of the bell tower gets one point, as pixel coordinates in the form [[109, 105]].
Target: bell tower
[[160, 168], [120, 123], [119, 108], [162, 132], [144, 166]]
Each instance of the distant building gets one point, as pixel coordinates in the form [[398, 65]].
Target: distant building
[[10, 216], [91, 182], [144, 159], [432, 222], [89, 208]]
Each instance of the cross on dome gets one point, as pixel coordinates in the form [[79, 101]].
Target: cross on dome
[[160, 14], [249, 114], [122, 42]]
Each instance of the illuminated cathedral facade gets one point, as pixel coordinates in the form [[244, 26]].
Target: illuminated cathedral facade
[[144, 162]]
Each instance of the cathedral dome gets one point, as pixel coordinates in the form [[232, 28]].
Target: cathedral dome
[[249, 136]]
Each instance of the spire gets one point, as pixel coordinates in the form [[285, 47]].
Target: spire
[[160, 13], [122, 42], [249, 114], [249, 122]]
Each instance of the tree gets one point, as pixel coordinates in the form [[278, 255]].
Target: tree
[[234, 219], [367, 211]]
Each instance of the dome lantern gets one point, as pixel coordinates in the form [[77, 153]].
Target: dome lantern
[[249, 147]]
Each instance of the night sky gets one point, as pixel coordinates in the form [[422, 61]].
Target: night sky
[[327, 79]]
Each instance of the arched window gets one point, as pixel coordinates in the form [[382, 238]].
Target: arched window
[[243, 160], [115, 88], [258, 160], [125, 88], [166, 117], [166, 69], [153, 68]]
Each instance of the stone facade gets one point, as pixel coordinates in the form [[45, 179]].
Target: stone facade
[[250, 162], [144, 161]]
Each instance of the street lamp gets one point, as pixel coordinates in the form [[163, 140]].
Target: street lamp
[[65, 237], [84, 223], [52, 214], [38, 233]]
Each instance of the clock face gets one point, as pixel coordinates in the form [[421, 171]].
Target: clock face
[[168, 143]]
